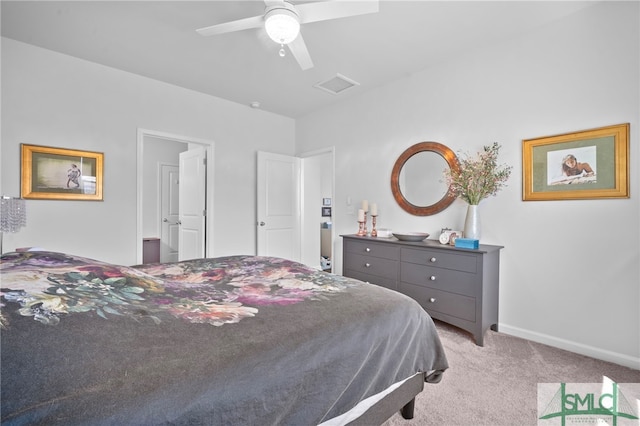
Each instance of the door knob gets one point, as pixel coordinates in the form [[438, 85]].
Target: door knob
[[262, 224]]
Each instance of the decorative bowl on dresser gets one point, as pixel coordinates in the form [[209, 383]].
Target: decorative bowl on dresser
[[455, 285], [411, 236]]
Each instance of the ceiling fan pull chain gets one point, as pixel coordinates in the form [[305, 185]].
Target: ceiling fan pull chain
[[281, 52]]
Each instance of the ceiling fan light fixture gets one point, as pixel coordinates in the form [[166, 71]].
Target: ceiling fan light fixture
[[282, 25]]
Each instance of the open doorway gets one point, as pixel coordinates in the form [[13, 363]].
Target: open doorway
[[158, 230], [295, 217], [318, 208]]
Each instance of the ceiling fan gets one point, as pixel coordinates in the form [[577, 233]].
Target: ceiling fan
[[282, 22]]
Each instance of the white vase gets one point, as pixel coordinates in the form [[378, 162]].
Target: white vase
[[472, 223]]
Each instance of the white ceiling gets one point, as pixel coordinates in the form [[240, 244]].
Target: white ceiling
[[157, 39]]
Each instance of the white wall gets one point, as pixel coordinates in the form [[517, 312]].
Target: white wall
[[566, 279], [57, 100]]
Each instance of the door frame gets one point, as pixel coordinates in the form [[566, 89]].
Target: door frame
[[141, 135]]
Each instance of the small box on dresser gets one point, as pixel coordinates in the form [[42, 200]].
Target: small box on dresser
[[455, 285]]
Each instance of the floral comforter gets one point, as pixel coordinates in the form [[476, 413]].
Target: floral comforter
[[231, 340]]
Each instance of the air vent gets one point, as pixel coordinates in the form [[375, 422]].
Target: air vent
[[337, 84]]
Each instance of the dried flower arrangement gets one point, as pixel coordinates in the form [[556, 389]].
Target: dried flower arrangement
[[479, 177]]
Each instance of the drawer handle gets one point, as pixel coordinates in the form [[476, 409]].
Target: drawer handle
[[432, 300], [433, 259], [432, 277], [367, 249], [366, 265]]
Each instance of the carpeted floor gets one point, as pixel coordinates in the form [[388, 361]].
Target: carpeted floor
[[498, 384]]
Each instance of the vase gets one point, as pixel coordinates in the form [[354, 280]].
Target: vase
[[472, 223]]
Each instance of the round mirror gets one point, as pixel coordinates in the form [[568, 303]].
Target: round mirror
[[417, 179]]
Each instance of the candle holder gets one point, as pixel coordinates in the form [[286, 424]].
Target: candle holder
[[374, 232], [365, 224], [362, 228], [362, 232]]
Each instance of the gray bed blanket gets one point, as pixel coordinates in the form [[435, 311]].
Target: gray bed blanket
[[238, 340]]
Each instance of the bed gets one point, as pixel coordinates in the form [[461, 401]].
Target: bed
[[236, 340]]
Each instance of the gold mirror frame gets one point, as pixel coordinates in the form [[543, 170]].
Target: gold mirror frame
[[438, 148]]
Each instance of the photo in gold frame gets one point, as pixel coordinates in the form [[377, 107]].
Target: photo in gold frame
[[50, 173], [588, 164]]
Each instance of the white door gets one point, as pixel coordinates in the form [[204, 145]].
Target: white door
[[192, 200], [278, 202], [169, 212]]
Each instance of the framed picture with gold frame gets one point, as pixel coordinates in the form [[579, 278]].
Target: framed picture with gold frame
[[50, 173], [588, 164]]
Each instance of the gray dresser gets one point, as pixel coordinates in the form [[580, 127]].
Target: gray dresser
[[454, 285]]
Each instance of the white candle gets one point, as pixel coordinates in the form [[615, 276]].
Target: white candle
[[365, 205], [374, 209], [360, 215]]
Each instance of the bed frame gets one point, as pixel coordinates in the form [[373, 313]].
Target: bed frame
[[404, 397]]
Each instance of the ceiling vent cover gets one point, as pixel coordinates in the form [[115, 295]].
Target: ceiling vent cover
[[337, 84]]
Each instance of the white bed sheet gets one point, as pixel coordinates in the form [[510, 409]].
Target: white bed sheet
[[363, 406]]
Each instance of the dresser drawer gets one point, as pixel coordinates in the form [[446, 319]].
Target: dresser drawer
[[430, 299], [370, 265], [439, 278], [372, 249], [372, 279], [441, 259]]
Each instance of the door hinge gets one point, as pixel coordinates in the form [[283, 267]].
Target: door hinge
[[204, 161], [204, 212]]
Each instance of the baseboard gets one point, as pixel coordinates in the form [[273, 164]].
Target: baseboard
[[568, 345]]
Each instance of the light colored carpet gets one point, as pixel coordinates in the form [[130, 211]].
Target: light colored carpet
[[497, 384]]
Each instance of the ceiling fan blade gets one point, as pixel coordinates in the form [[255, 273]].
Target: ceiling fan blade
[[322, 11], [228, 27], [269, 3], [299, 50]]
